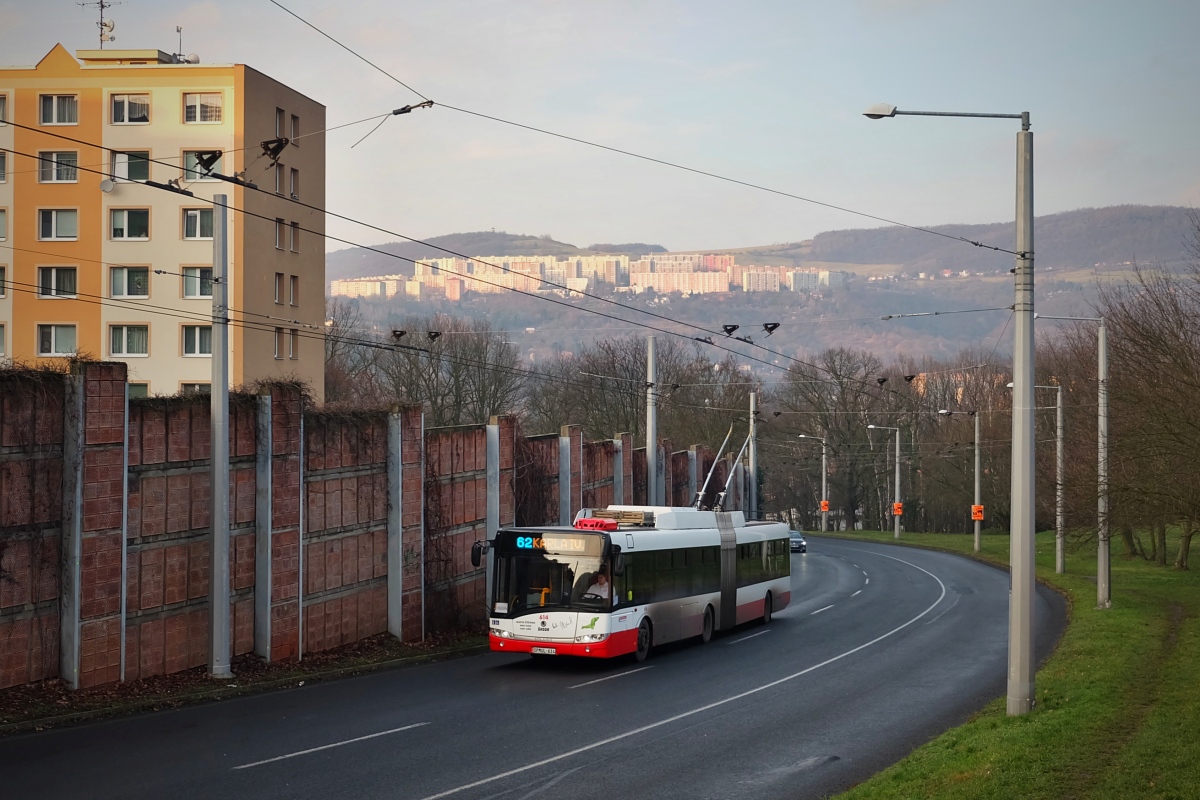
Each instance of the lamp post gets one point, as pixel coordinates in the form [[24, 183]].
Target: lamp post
[[1104, 553], [896, 502], [824, 482], [1021, 666], [978, 501]]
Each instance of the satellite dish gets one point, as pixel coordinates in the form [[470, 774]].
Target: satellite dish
[[107, 185], [192, 58], [108, 25]]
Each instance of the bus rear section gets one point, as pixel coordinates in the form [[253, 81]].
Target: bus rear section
[[628, 577]]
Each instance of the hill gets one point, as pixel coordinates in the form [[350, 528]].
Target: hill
[[357, 262], [1084, 238]]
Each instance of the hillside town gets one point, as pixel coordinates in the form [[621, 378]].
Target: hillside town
[[663, 273]]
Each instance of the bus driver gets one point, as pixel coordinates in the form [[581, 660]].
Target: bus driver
[[601, 586]]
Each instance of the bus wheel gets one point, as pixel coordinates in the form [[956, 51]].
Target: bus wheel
[[707, 631], [767, 609], [643, 641]]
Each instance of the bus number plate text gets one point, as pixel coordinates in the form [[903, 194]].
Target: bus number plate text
[[544, 651]]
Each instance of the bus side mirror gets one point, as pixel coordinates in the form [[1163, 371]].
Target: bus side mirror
[[476, 554], [618, 560]]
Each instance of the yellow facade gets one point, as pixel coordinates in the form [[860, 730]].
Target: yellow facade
[[128, 298]]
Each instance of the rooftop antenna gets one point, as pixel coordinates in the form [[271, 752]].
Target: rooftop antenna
[[105, 25], [179, 30], [703, 489]]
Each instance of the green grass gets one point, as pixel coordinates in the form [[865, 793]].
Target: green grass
[[1118, 703]]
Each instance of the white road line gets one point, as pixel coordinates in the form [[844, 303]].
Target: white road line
[[610, 677], [708, 707], [856, 594], [819, 610], [751, 636], [868, 580], [327, 746]]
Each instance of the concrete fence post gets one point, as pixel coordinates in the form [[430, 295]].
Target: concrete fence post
[[263, 525], [395, 525], [564, 474], [693, 473], [492, 476], [72, 529], [618, 472]]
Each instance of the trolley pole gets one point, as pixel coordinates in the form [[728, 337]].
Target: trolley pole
[[978, 492], [218, 584], [651, 427], [753, 456]]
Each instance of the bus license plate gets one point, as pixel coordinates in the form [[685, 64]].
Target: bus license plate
[[544, 651]]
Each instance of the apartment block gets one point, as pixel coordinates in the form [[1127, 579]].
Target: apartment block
[[760, 281], [109, 266]]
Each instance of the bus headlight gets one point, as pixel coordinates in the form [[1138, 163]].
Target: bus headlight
[[592, 637], [502, 633]]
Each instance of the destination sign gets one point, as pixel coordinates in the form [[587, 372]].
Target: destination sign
[[562, 544]]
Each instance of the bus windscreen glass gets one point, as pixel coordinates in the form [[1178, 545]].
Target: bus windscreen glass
[[527, 582]]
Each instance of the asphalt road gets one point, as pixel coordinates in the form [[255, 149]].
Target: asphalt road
[[882, 648]]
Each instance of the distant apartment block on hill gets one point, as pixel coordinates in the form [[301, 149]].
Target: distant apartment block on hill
[[662, 273]]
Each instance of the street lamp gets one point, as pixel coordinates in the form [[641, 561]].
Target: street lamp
[[978, 502], [1104, 553], [896, 505], [824, 482], [1021, 664]]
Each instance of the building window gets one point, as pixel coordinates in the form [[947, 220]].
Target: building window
[[130, 281], [294, 243], [293, 290], [278, 234], [295, 134], [202, 107], [194, 388], [3, 167], [4, 109], [130, 109], [131, 166], [3, 349], [294, 184], [293, 344], [3, 285], [3, 224], [58, 223], [56, 340], [58, 166], [279, 117], [279, 342], [129, 340], [131, 223], [279, 178], [197, 340], [197, 281], [279, 287], [56, 281], [192, 171], [139, 389], [59, 109], [197, 223]]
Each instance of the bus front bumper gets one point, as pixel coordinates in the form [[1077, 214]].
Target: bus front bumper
[[616, 644]]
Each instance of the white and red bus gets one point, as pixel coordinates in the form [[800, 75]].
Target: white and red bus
[[673, 573]]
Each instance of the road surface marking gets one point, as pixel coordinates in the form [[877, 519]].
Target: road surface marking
[[868, 580], [856, 594], [751, 636], [819, 610], [610, 677], [327, 746], [709, 706]]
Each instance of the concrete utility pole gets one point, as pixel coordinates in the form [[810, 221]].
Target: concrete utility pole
[[824, 480], [1104, 553], [651, 426], [753, 456], [218, 580], [1021, 535]]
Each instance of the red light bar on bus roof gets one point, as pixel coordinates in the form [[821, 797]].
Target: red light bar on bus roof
[[593, 524]]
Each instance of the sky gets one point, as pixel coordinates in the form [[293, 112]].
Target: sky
[[770, 93]]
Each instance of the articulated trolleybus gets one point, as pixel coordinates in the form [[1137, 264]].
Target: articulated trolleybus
[[627, 578]]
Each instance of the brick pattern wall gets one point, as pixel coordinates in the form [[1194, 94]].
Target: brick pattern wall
[[638, 459], [598, 462], [677, 468], [538, 471], [345, 538], [31, 433], [627, 468], [167, 570]]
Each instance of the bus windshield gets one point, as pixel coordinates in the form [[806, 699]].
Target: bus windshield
[[527, 582]]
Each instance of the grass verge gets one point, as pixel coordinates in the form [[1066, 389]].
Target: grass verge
[[1118, 703]]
